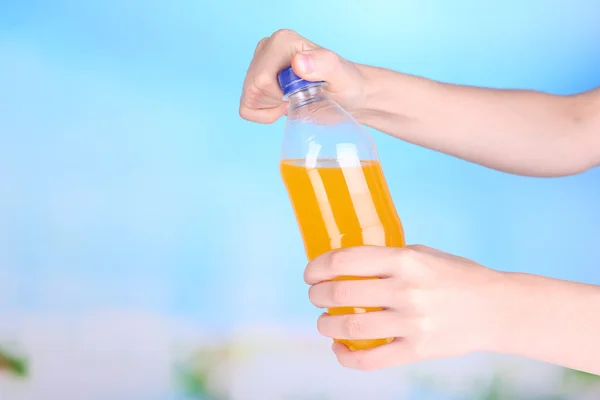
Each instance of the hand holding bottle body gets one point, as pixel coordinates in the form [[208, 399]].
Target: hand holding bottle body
[[438, 305], [434, 304]]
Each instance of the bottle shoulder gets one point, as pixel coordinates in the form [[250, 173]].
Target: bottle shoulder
[[322, 112], [325, 129]]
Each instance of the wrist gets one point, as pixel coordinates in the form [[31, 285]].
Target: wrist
[[521, 311], [493, 311], [583, 112], [548, 320], [527, 309], [393, 101], [381, 95]]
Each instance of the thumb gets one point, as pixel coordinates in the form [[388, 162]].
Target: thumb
[[322, 65]]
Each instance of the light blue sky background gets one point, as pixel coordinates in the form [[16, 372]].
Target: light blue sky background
[[127, 179]]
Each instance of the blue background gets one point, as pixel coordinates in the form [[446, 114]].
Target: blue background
[[130, 187]]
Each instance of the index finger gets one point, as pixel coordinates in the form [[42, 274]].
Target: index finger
[[363, 262]]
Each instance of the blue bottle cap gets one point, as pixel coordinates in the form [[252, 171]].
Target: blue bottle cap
[[290, 82]]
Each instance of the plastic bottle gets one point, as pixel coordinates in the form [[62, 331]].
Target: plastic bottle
[[335, 183]]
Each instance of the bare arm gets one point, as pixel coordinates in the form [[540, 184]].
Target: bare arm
[[441, 305], [549, 320], [522, 132]]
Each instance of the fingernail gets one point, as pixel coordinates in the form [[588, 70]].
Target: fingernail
[[306, 63]]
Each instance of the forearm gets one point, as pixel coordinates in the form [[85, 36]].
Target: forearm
[[522, 132], [548, 320]]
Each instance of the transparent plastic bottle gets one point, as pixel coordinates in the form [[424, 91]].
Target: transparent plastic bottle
[[335, 183]]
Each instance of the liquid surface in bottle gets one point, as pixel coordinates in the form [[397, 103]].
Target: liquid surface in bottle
[[343, 206]]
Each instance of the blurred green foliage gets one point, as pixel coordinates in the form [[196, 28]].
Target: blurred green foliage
[[194, 374], [14, 365]]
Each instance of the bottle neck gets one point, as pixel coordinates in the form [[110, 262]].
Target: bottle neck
[[307, 95]]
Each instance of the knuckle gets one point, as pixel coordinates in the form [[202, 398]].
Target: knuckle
[[307, 277], [422, 326], [339, 292], [308, 274], [338, 261], [312, 297], [398, 299], [420, 350], [250, 97], [414, 299], [409, 253], [322, 326], [262, 80], [351, 326], [407, 257], [364, 363], [345, 362], [284, 34], [411, 349], [417, 247], [260, 45], [244, 112], [331, 57]]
